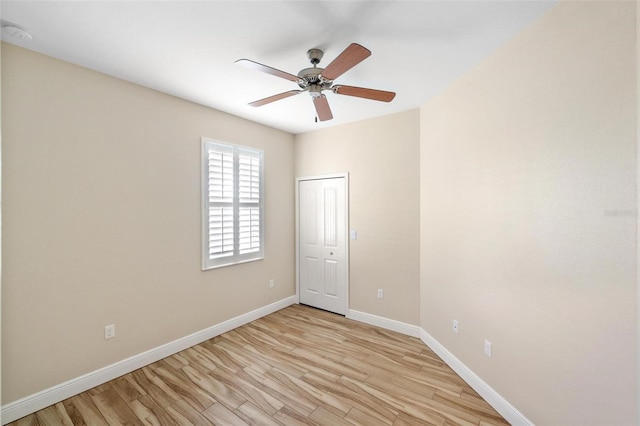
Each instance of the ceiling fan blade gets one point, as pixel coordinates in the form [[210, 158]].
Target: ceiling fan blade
[[361, 92], [322, 108], [274, 98], [350, 57], [259, 67]]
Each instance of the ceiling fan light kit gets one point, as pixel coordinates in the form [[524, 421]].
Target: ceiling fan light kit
[[315, 80]]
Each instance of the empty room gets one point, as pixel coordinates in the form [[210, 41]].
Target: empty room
[[319, 212]]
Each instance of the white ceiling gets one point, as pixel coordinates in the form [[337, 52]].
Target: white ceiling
[[188, 48]]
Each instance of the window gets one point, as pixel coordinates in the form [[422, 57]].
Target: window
[[232, 202]]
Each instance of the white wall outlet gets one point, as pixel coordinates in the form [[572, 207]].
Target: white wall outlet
[[109, 331], [380, 293], [487, 348], [455, 326], [354, 234], [271, 283]]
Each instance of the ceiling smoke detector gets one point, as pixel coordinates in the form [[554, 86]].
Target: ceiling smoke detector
[[15, 31]]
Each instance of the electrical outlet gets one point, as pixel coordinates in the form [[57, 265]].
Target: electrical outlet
[[380, 293], [109, 331], [455, 326], [487, 348], [271, 283]]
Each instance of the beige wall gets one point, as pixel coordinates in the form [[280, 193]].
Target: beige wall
[[101, 219], [381, 156], [528, 221]]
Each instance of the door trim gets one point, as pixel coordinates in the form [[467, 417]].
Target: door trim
[[344, 175]]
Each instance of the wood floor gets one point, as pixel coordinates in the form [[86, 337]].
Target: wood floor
[[298, 366]]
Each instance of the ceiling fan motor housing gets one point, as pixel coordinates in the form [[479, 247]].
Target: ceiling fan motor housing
[[311, 77]]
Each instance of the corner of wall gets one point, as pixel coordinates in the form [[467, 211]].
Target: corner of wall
[[1, 43], [638, 201]]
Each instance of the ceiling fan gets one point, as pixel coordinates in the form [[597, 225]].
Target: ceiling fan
[[315, 80]]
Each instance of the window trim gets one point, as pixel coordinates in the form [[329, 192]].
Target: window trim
[[236, 257]]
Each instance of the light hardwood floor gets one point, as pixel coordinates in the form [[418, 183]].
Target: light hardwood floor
[[297, 366]]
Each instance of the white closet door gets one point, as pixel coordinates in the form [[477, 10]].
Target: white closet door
[[323, 243]]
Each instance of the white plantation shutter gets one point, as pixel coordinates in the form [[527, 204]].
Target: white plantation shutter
[[249, 201], [249, 229], [232, 204], [220, 193]]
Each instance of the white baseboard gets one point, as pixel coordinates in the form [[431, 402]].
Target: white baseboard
[[501, 405], [389, 324], [32, 403]]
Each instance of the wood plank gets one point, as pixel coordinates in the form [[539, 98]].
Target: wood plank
[[315, 395], [127, 388], [114, 409], [54, 415], [219, 357], [409, 406], [30, 420], [83, 411], [150, 413], [289, 417], [255, 416], [405, 419], [221, 415], [207, 360], [154, 387], [261, 399], [218, 390], [197, 358], [334, 367], [243, 357], [476, 407], [281, 392], [323, 416], [362, 418], [383, 413], [185, 414], [276, 359], [179, 383]]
